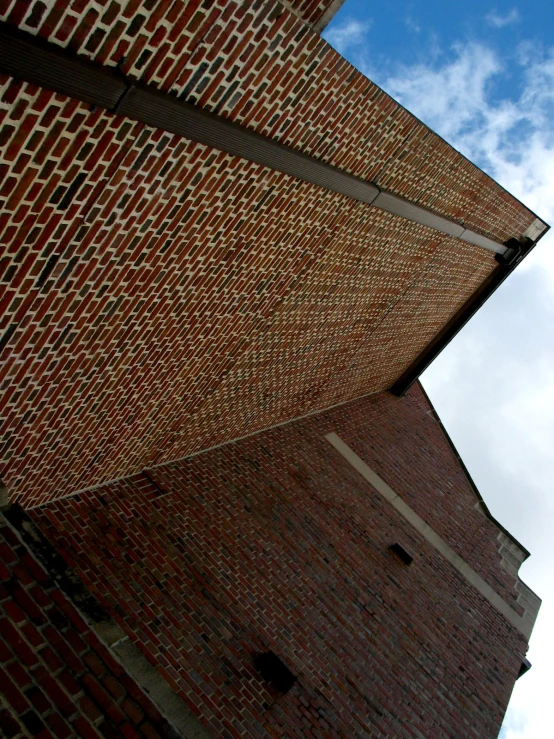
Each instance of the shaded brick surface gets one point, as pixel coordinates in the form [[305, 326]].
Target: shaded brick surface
[[158, 297], [276, 543], [56, 678]]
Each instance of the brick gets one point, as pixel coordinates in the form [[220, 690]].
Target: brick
[[4, 573], [149, 731], [129, 731], [37, 699], [113, 686], [69, 683], [95, 664], [108, 731], [32, 635], [104, 700], [66, 654], [132, 710], [33, 612], [7, 555], [12, 693], [215, 298], [51, 659], [37, 571], [62, 701], [179, 232], [20, 647], [69, 611], [89, 709], [305, 542], [33, 723], [8, 725], [76, 642], [58, 726], [84, 728], [15, 613]]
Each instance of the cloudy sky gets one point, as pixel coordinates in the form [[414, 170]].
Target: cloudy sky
[[482, 76]]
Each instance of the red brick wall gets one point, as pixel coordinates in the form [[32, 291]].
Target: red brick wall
[[194, 297], [258, 64], [168, 302], [275, 542], [56, 678], [312, 10]]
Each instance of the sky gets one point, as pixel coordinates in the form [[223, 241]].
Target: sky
[[482, 76]]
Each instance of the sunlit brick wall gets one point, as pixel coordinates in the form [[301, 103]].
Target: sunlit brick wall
[[159, 297], [258, 64]]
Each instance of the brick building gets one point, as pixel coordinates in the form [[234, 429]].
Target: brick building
[[226, 258]]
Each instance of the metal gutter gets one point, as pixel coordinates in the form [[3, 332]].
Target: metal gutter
[[32, 59], [515, 252], [164, 111], [26, 57]]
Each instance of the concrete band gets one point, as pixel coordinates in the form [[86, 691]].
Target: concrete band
[[181, 719], [47, 65], [524, 624], [328, 16], [177, 713]]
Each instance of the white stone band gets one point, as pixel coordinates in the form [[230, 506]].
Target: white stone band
[[523, 623]]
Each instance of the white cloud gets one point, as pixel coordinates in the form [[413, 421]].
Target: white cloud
[[512, 139], [446, 97], [412, 25], [350, 33], [499, 21]]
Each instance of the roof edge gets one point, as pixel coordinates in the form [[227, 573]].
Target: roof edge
[[456, 323], [465, 470], [328, 16]]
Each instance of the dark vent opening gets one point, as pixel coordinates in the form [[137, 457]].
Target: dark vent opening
[[401, 553], [275, 672]]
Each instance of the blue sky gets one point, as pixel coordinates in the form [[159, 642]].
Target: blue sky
[[409, 32], [482, 76]]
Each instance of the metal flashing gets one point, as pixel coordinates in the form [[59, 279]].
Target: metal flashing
[[34, 60], [479, 240], [525, 667], [514, 252], [449, 331], [184, 119], [404, 208], [26, 57]]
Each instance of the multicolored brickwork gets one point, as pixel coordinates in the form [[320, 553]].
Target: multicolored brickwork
[[276, 543], [159, 297], [182, 280], [56, 678], [260, 65]]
